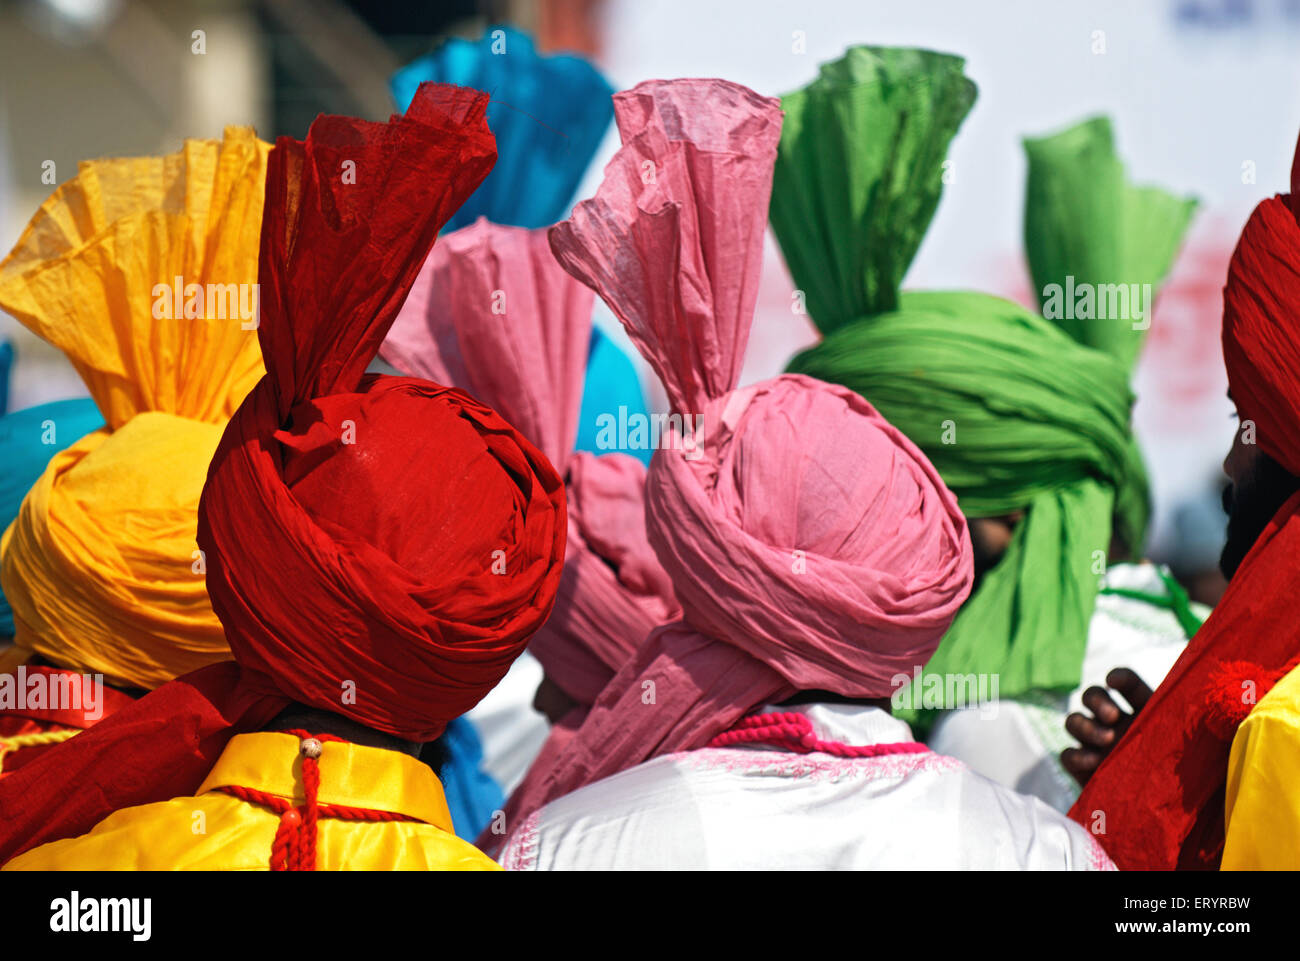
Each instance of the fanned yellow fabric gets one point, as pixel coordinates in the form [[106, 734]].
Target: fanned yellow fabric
[[101, 565]]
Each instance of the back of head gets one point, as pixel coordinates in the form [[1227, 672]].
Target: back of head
[[378, 547], [810, 544], [1162, 787], [1017, 415]]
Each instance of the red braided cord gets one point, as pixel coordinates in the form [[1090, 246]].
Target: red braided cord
[[794, 732], [311, 785], [294, 847], [338, 812]]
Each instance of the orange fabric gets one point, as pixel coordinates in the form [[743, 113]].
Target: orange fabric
[[101, 565]]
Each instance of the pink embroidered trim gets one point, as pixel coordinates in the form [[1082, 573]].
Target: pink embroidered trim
[[521, 852], [816, 767], [794, 732], [1098, 859]]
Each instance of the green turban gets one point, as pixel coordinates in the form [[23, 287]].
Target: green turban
[[1017, 412]]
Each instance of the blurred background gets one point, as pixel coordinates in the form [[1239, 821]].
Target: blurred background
[[1205, 96]]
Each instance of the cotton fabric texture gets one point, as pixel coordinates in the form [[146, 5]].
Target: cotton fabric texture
[[1261, 809], [100, 566], [749, 808], [1015, 413], [527, 362], [350, 520], [773, 526], [549, 114]]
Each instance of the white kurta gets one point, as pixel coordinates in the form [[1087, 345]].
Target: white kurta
[[761, 808], [1019, 743]]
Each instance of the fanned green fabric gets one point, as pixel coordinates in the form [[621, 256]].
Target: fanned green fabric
[[1015, 412], [1085, 220], [860, 171]]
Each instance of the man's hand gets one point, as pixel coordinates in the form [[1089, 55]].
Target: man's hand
[[1101, 732]]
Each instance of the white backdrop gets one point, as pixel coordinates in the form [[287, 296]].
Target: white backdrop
[[1196, 88]]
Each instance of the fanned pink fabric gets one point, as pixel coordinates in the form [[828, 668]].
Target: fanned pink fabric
[[811, 545], [493, 313], [696, 155]]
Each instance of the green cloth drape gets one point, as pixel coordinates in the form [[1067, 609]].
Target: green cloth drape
[[1016, 412]]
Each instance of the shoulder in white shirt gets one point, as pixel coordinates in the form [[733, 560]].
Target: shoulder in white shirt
[[761, 808]]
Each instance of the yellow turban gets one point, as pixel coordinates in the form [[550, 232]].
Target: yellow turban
[[141, 270]]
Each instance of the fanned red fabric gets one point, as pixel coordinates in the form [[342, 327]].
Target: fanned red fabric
[[350, 522], [1161, 790], [379, 546], [810, 544]]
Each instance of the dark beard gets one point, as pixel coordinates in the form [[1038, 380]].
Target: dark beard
[[1251, 507]]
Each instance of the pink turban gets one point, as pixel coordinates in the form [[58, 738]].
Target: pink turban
[[493, 313], [812, 546]]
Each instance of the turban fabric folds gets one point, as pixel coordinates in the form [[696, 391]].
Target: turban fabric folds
[[351, 521], [1161, 790], [1014, 413], [494, 313], [810, 544], [525, 353], [129, 269]]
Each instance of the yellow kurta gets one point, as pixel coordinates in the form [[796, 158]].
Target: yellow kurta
[[214, 831], [1262, 810]]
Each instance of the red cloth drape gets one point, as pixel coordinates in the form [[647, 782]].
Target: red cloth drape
[[1160, 793]]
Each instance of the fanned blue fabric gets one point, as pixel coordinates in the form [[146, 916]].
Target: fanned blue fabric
[[611, 383], [549, 114], [472, 794], [28, 439]]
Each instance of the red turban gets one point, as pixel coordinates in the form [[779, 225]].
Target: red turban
[[379, 547], [1157, 801]]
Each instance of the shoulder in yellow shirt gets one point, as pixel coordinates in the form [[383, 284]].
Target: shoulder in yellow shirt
[[214, 831], [1262, 807]]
